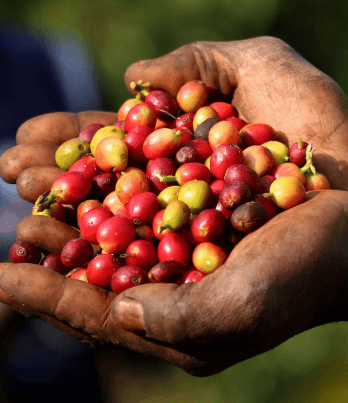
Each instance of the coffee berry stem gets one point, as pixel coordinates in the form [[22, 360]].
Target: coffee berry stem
[[309, 166], [166, 178], [46, 200], [72, 272], [167, 113], [140, 88], [125, 255], [300, 143], [162, 228]]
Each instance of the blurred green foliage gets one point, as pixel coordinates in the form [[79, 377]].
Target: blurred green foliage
[[120, 33], [311, 367]]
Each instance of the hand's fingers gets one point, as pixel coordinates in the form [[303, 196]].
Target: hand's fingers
[[272, 82], [205, 61], [48, 234], [79, 309], [223, 66], [34, 181], [38, 139], [57, 127], [36, 291], [14, 160]]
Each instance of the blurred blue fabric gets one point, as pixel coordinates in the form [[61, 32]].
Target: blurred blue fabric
[[41, 73]]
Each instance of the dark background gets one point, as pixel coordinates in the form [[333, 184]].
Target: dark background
[[111, 35]]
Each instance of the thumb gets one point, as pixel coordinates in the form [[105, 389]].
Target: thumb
[[157, 311], [217, 307], [209, 62]]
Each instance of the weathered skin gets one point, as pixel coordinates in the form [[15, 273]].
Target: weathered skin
[[70, 124], [45, 232], [263, 295], [21, 156], [34, 181]]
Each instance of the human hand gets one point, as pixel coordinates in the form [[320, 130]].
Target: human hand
[[287, 277]]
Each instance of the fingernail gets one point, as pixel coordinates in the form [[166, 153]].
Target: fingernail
[[130, 315]]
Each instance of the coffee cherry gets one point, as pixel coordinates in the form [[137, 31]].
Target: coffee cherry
[[168, 195], [115, 234], [78, 274], [91, 220], [53, 261], [279, 151], [89, 131], [134, 140], [167, 272], [256, 134], [174, 246], [287, 192], [72, 187], [140, 114], [192, 96], [224, 109], [145, 232], [164, 105], [71, 151], [259, 159], [317, 181], [175, 216], [234, 194], [192, 276], [141, 253], [186, 154], [131, 184], [288, 169], [208, 226], [101, 268], [297, 153], [104, 132], [243, 173], [202, 147], [25, 252], [162, 143], [86, 165], [248, 217], [126, 107], [111, 154], [204, 113], [160, 167], [223, 157], [142, 208], [196, 194], [208, 257], [128, 276], [239, 123], [184, 121], [223, 133], [76, 253], [103, 184]]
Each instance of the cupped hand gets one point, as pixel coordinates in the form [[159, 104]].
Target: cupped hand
[[270, 83], [285, 278]]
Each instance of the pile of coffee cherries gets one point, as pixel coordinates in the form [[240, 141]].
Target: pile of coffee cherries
[[165, 193]]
